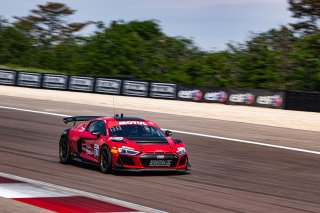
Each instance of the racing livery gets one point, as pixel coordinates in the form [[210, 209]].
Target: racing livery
[[122, 143]]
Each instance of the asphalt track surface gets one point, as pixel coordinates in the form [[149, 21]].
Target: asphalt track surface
[[226, 176]]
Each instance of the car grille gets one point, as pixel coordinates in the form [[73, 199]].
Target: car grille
[[158, 160]]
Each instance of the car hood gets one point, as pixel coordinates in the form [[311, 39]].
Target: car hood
[[151, 145]]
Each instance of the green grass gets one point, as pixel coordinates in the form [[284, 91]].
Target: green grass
[[30, 69]]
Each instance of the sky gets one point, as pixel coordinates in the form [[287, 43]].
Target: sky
[[209, 23]]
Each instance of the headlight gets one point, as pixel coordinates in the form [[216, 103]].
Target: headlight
[[181, 151], [128, 151]]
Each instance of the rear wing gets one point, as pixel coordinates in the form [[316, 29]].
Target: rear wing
[[79, 118]]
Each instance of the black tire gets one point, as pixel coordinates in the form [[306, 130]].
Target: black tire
[[64, 151], [105, 160]]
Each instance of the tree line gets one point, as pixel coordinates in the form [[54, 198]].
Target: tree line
[[287, 57]]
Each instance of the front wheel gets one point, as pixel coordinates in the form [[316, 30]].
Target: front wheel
[[105, 160], [64, 151]]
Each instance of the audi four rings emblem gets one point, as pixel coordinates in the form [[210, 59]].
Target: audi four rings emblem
[[160, 156]]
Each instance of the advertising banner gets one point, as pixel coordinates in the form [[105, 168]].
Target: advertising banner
[[260, 98], [190, 93], [55, 81], [163, 90], [135, 88], [29, 79], [81, 83], [8, 77], [202, 94], [215, 95], [105, 85]]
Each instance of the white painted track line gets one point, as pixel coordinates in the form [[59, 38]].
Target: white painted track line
[[26, 190], [83, 193], [188, 133]]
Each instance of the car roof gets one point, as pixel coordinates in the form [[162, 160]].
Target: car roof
[[122, 118]]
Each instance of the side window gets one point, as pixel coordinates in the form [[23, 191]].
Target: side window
[[97, 126], [101, 127], [90, 127]]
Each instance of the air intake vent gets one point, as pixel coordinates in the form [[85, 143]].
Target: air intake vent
[[148, 140]]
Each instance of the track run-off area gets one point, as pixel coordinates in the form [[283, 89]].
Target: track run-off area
[[236, 167]]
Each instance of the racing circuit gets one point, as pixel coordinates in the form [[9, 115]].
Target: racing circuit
[[226, 175]]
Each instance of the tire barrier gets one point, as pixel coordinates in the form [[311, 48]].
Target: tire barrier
[[292, 100]]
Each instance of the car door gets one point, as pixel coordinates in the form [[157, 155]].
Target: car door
[[95, 133]]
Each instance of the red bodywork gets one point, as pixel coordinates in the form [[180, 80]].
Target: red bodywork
[[152, 156]]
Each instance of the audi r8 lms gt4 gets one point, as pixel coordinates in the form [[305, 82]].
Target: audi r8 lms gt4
[[122, 143]]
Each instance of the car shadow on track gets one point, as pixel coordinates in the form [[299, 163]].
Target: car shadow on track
[[128, 173]]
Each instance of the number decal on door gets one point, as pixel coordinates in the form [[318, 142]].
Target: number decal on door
[[96, 150]]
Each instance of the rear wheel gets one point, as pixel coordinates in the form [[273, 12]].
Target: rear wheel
[[64, 151], [105, 160]]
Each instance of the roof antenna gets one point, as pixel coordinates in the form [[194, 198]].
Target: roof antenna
[[121, 115], [114, 111]]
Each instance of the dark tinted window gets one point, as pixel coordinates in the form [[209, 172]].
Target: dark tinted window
[[135, 131], [97, 126]]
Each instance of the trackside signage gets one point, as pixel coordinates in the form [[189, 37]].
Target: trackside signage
[[215, 95], [135, 88], [81, 83], [28, 79], [190, 93], [104, 85], [261, 98], [7, 77], [271, 99], [55, 81], [163, 90]]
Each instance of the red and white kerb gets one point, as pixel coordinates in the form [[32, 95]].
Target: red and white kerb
[[54, 199]]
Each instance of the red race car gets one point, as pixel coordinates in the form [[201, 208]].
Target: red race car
[[122, 143]]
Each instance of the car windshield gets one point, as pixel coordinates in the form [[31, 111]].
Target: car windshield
[[135, 131]]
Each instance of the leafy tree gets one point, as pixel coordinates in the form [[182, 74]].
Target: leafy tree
[[15, 47], [308, 13], [48, 24]]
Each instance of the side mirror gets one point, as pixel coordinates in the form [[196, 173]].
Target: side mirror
[[168, 133], [96, 133]]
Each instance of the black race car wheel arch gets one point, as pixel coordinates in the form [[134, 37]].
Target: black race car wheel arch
[[105, 160], [64, 151]]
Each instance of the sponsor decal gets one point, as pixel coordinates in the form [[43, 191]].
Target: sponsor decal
[[96, 150], [132, 123], [116, 138], [220, 96], [160, 156], [274, 100], [160, 163], [195, 95], [87, 148], [246, 98], [115, 128]]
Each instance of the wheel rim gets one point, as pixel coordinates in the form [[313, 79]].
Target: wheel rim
[[63, 150], [103, 160]]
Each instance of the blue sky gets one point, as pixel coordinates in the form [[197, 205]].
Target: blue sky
[[210, 23]]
